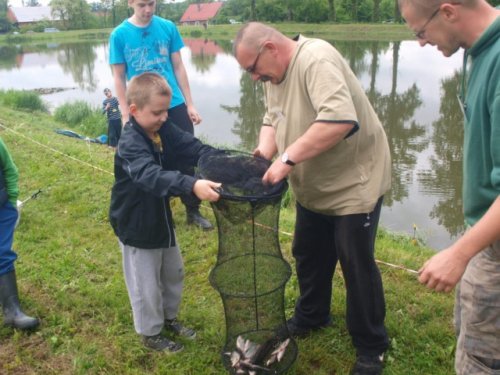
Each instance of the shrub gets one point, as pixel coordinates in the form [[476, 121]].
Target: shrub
[[23, 100], [95, 125], [196, 33], [81, 117], [73, 113]]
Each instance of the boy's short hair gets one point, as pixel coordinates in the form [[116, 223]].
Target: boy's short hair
[[142, 87], [106, 90]]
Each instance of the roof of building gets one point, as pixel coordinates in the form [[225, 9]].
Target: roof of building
[[201, 12], [32, 14]]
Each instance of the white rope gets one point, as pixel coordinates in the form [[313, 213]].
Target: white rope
[[105, 171], [376, 260], [396, 266], [57, 151]]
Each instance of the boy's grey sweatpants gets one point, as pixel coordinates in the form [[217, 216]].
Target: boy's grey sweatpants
[[154, 279], [477, 315]]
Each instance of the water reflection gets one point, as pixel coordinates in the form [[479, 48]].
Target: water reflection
[[79, 62], [445, 169], [416, 104]]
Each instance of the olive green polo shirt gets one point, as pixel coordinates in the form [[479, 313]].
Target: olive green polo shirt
[[319, 85]]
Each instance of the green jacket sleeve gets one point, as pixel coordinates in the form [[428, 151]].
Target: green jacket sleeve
[[10, 173]]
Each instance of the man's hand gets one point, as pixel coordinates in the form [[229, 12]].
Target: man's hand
[[276, 172], [194, 115], [205, 190], [444, 270], [267, 145]]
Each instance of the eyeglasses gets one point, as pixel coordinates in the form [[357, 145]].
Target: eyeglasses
[[251, 68], [421, 33]]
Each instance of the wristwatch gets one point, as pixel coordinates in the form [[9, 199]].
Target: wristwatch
[[284, 159]]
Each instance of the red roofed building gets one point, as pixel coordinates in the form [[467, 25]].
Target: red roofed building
[[201, 13], [29, 15]]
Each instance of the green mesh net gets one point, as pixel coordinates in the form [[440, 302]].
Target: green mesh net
[[250, 273]]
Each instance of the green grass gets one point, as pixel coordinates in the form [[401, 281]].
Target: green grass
[[80, 116], [69, 274]]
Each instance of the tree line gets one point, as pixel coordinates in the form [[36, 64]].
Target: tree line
[[78, 14]]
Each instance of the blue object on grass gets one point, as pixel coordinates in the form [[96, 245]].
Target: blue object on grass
[[102, 139]]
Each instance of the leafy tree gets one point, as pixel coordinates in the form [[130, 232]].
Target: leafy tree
[[272, 11], [313, 11], [236, 9], [252, 10], [31, 3], [74, 14], [5, 24], [60, 10], [173, 11], [376, 11], [332, 13], [397, 15]]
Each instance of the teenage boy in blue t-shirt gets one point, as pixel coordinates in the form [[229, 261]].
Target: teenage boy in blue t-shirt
[[148, 43]]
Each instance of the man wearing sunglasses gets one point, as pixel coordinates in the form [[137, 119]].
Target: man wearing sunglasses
[[333, 148], [473, 261]]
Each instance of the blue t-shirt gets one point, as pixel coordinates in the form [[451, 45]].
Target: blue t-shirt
[[148, 49]]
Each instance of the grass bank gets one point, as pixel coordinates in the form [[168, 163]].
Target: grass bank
[[390, 32], [69, 274]]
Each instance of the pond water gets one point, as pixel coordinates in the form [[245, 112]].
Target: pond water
[[413, 90]]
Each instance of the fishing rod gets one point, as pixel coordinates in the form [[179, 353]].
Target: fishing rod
[[33, 196], [21, 203]]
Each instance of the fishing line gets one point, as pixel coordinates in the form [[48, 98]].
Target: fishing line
[[203, 206], [56, 151], [376, 260]]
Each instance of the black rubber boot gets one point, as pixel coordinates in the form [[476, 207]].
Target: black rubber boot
[[13, 316], [193, 217]]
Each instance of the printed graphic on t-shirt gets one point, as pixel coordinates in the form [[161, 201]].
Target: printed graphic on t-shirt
[[147, 59]]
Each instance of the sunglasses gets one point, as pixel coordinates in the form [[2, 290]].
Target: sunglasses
[[251, 68]]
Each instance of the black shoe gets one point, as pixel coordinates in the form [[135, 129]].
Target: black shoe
[[298, 331], [368, 365], [194, 217], [161, 343], [178, 329]]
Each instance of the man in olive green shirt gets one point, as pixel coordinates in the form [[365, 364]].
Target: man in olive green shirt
[[334, 150]]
